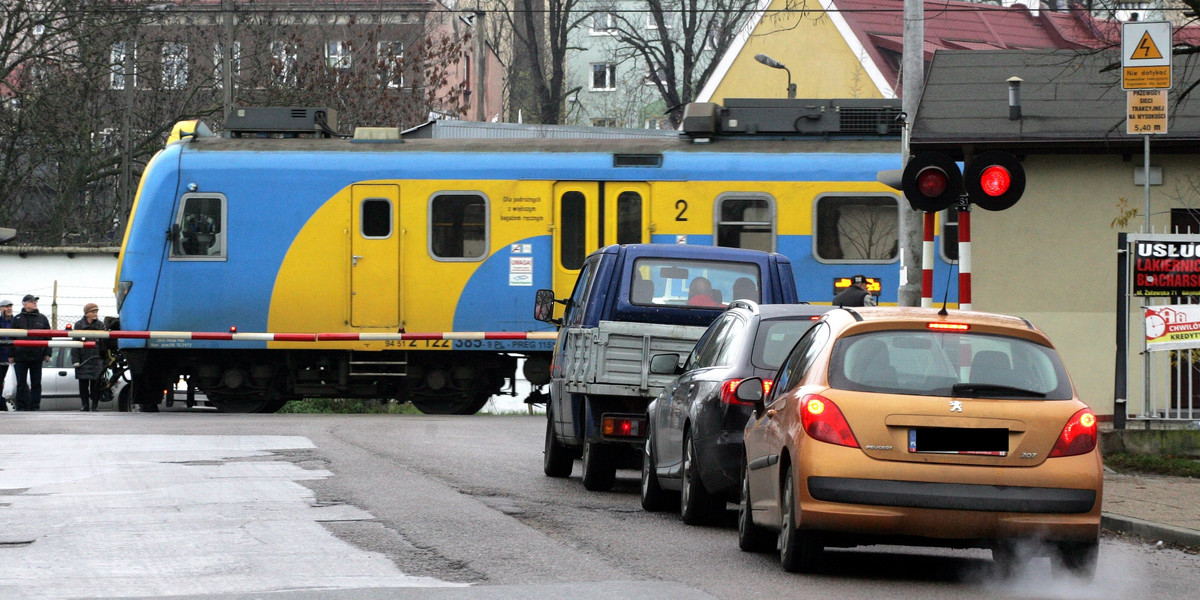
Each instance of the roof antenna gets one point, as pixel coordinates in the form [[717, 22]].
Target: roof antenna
[[946, 296]]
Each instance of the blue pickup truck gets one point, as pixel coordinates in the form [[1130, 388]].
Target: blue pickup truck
[[630, 303]]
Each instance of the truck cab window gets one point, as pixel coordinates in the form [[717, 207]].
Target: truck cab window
[[200, 228]]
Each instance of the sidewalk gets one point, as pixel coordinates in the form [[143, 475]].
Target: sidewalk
[[1153, 506]]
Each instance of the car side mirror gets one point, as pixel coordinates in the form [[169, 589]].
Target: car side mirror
[[665, 364], [750, 391], [543, 307]]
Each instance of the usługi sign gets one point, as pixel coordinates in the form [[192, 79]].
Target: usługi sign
[[1166, 268], [1173, 327]]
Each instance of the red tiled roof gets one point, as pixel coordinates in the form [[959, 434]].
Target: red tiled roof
[[879, 26]]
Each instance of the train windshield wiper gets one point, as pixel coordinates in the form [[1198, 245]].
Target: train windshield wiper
[[991, 389]]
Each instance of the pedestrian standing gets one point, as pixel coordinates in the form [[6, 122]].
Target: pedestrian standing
[[89, 362], [27, 361], [856, 294], [6, 318]]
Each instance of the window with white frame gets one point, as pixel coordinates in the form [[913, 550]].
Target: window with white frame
[[337, 55], [122, 57], [175, 68], [283, 63], [668, 21], [391, 63], [219, 62], [604, 23], [654, 75], [604, 76], [604, 122]]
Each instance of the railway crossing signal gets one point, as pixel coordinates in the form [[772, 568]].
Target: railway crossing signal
[[993, 180]]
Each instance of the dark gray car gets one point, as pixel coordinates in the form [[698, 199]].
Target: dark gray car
[[694, 445]]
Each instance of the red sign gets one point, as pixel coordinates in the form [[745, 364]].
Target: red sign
[[1166, 268]]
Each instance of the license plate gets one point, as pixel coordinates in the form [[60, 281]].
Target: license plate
[[958, 440]]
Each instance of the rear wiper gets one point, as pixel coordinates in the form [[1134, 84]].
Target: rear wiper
[[991, 389]]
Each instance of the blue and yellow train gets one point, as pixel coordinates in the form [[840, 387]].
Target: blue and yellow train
[[451, 235]]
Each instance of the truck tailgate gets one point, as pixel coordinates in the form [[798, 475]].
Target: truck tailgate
[[614, 358]]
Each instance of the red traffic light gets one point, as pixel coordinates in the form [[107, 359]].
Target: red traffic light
[[931, 182], [994, 180]]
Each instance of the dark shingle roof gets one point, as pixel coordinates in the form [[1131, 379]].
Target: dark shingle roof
[[1070, 101]]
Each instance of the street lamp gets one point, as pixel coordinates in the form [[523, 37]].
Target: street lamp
[[774, 64]]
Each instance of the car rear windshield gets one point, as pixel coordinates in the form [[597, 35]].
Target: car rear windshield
[[697, 283], [929, 363], [775, 338]]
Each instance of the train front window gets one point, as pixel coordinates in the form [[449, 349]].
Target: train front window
[[856, 228], [458, 226], [199, 231], [745, 221]]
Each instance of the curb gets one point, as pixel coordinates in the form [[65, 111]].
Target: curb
[[1150, 530]]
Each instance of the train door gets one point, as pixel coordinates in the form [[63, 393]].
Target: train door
[[594, 214], [375, 257], [626, 213], [575, 205]]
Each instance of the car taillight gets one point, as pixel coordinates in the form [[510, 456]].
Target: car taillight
[[621, 426], [1078, 436], [823, 421], [729, 392]]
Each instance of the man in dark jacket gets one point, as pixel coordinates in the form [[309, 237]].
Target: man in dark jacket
[[856, 294], [27, 361], [89, 362], [6, 318]]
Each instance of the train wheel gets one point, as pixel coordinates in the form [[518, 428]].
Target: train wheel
[[467, 403]]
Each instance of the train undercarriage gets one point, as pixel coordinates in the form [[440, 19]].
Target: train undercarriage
[[263, 381]]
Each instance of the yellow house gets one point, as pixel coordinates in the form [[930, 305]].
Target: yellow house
[[853, 48]]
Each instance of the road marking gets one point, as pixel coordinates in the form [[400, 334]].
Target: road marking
[[148, 515]]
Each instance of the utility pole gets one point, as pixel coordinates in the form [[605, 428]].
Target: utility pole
[[911, 221], [481, 60], [227, 56]]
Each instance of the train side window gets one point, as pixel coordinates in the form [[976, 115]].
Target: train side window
[[629, 218], [199, 229], [458, 226], [746, 221], [856, 228], [376, 217], [573, 239]]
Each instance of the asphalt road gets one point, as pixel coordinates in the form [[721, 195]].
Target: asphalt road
[[202, 505]]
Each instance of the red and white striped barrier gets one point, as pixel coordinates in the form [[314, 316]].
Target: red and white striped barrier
[[92, 334], [46, 343]]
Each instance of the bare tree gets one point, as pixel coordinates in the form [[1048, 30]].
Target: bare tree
[[680, 42], [537, 33], [91, 97]]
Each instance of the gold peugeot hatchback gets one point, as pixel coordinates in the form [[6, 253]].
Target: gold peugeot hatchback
[[920, 427]]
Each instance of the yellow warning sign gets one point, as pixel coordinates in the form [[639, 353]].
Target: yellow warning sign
[[1146, 78], [1146, 55], [1146, 112], [1145, 49]]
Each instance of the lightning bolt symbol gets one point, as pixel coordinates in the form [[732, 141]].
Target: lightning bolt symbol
[[1144, 47]]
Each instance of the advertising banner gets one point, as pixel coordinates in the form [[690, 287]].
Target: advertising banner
[[1166, 265], [1173, 327]]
